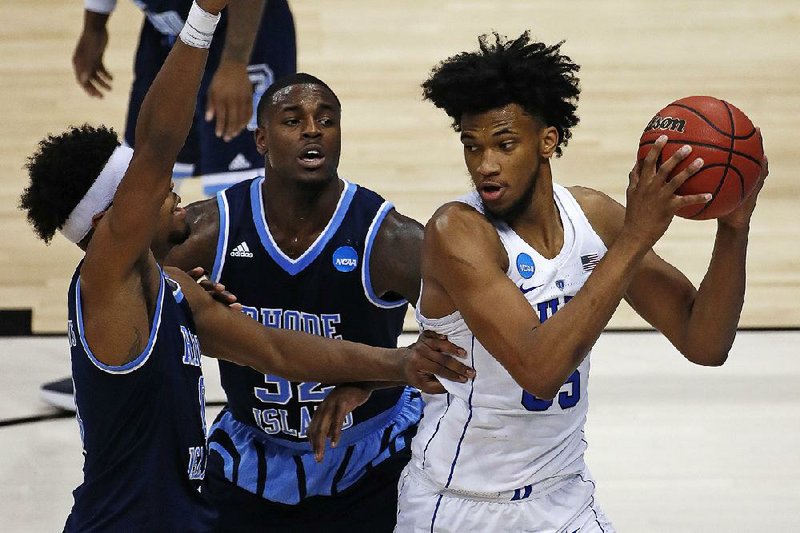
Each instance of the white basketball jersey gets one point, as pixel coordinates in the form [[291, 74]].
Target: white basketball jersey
[[488, 436]]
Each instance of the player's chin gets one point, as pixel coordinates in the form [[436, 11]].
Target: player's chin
[[180, 233]]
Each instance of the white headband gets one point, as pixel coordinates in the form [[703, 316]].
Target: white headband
[[99, 195]]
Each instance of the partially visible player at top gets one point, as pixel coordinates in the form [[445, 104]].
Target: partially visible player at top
[[136, 334], [306, 249], [253, 46], [524, 274]]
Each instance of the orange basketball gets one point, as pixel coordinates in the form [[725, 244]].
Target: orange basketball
[[723, 137]]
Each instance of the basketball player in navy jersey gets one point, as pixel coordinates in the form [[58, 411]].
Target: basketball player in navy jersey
[[136, 334], [253, 46], [305, 249], [524, 274]]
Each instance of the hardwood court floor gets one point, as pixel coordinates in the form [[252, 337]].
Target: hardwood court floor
[[674, 448], [636, 56]]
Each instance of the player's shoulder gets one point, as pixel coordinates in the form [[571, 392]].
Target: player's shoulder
[[460, 223], [605, 214], [202, 211]]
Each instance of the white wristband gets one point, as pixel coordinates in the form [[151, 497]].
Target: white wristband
[[104, 7], [199, 28]]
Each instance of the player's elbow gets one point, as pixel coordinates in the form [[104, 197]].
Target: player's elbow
[[707, 358]]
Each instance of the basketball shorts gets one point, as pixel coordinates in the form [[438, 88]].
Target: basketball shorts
[[569, 508], [219, 163], [281, 485]]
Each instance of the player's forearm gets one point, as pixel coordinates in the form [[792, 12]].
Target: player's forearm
[[168, 108], [244, 19], [95, 22], [718, 304], [302, 357], [555, 349], [231, 335]]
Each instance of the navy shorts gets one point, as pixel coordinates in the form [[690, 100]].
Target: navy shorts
[[220, 163]]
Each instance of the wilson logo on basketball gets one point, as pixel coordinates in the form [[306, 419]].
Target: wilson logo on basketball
[[666, 123]]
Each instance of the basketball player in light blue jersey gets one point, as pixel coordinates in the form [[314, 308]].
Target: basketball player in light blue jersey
[[524, 274], [134, 342]]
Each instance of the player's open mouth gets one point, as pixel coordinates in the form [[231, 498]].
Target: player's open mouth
[[490, 191], [311, 158]]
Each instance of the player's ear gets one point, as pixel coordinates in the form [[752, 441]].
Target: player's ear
[[260, 136], [548, 141]]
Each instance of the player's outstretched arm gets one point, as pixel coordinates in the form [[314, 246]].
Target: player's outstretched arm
[[228, 334], [125, 233], [463, 261]]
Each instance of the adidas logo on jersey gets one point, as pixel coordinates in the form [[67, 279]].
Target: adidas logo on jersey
[[241, 251], [239, 162]]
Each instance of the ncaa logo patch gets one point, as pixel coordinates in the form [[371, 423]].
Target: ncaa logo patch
[[345, 259], [525, 266]]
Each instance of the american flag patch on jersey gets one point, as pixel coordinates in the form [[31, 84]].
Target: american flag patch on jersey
[[589, 261]]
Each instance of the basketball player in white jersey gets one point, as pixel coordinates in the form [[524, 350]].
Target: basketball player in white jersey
[[524, 274]]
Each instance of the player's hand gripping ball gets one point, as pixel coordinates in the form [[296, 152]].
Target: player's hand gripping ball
[[723, 137]]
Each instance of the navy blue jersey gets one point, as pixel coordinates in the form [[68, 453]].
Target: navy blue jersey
[[142, 425], [327, 291], [259, 440], [274, 55]]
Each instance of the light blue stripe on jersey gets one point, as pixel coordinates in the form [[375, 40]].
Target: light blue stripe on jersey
[[142, 357], [294, 266], [320, 478], [365, 272], [222, 240]]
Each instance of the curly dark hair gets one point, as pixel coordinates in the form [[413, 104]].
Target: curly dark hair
[[61, 171], [529, 73]]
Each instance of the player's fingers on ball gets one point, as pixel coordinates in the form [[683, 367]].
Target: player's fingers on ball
[[681, 177], [655, 151], [669, 165], [691, 199]]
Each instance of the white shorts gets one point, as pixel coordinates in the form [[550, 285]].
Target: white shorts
[[422, 506]]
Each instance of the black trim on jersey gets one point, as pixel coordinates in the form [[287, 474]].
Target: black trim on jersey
[[301, 476], [341, 471], [261, 480], [222, 438]]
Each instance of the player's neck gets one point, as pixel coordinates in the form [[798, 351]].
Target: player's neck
[[297, 213], [539, 224]]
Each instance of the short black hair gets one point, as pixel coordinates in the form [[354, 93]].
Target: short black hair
[[61, 171], [529, 73], [299, 78]]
